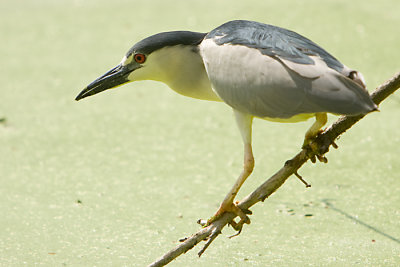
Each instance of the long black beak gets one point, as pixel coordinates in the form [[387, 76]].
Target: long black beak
[[113, 78]]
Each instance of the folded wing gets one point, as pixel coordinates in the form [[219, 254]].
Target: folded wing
[[271, 72]]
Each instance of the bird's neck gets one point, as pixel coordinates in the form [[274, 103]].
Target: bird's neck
[[182, 69]]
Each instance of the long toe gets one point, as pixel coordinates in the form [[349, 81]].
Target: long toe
[[233, 208], [314, 152]]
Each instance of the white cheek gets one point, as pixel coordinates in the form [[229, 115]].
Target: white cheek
[[152, 69], [132, 75], [140, 74]]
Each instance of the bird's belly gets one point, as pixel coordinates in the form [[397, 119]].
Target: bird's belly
[[295, 118]]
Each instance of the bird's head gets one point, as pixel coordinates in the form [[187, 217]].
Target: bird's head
[[146, 60]]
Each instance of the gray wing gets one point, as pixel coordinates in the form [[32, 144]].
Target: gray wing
[[271, 72]]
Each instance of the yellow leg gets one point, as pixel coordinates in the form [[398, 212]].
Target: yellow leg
[[320, 120], [244, 122], [227, 204], [248, 166]]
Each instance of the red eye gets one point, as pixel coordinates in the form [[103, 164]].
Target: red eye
[[140, 58]]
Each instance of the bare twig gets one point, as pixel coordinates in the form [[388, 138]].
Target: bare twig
[[324, 141], [301, 179]]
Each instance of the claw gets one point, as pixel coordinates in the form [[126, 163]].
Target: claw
[[314, 154], [322, 158], [335, 146], [238, 227]]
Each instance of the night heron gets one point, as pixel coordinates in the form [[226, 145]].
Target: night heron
[[258, 69]]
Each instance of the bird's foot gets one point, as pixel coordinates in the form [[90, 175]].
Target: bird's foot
[[314, 153], [233, 208], [309, 139], [314, 150]]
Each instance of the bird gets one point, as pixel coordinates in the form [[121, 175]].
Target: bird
[[259, 70]]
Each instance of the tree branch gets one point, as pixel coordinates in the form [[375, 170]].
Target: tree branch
[[324, 141]]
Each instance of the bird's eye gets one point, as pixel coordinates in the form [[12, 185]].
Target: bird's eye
[[140, 58]]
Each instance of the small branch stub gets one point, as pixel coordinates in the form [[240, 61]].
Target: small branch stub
[[301, 179]]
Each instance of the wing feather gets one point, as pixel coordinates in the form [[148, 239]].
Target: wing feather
[[273, 41]]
